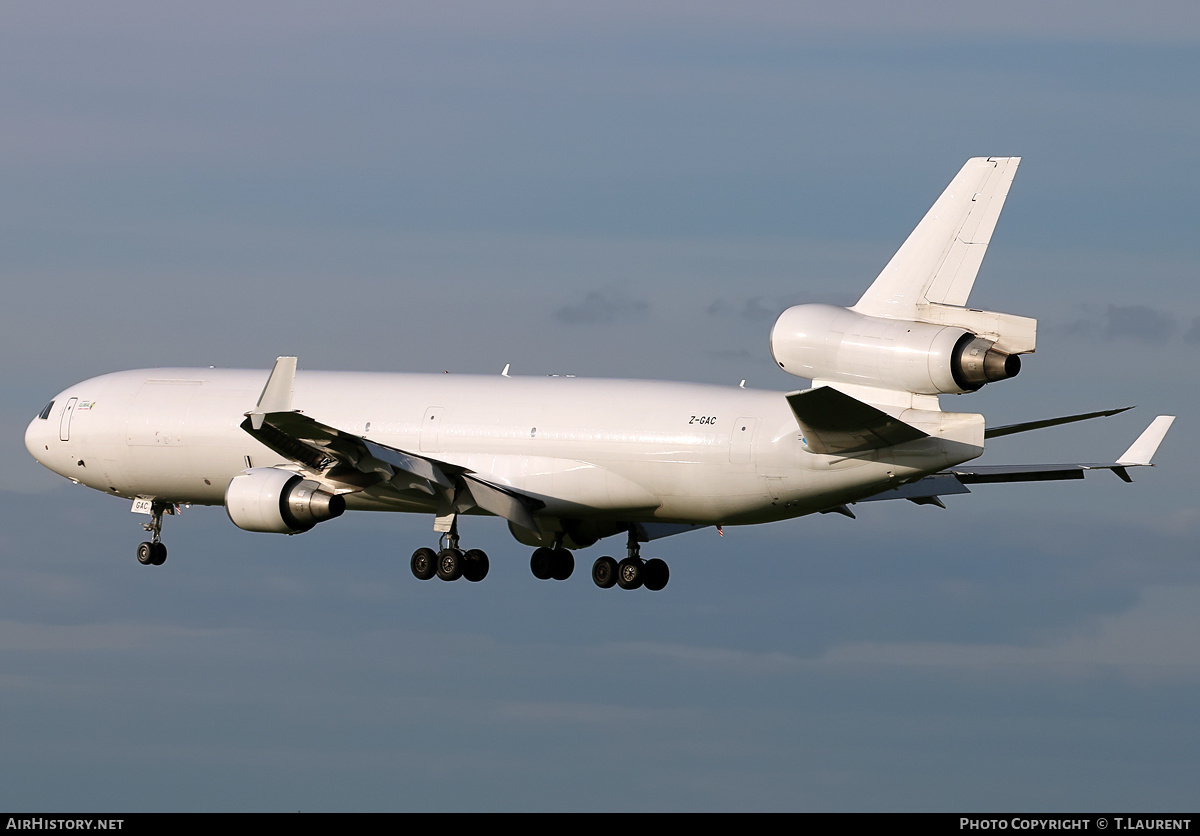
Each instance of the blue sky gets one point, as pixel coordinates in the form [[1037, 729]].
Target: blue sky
[[608, 191]]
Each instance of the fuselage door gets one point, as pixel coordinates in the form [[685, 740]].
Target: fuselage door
[[431, 427], [64, 423], [742, 440]]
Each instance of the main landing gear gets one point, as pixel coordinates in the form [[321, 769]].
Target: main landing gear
[[631, 572], [557, 563], [154, 553], [451, 562]]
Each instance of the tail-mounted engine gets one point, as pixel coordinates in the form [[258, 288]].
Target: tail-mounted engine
[[924, 357], [279, 501]]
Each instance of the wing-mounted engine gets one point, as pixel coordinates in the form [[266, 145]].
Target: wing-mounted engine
[[824, 342], [279, 501]]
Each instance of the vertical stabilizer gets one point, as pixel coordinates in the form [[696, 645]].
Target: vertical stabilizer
[[940, 259]]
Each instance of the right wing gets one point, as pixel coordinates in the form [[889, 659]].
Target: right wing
[[1010, 429]]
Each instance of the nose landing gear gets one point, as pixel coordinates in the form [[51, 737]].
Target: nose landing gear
[[154, 553]]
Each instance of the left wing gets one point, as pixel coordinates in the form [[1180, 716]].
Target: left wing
[[352, 463], [1139, 454], [955, 480]]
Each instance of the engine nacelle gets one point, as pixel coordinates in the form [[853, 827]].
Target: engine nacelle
[[831, 343], [279, 501]]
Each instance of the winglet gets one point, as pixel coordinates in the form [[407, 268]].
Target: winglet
[[277, 394], [1142, 450]]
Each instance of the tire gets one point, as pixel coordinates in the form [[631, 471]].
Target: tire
[[475, 565], [604, 572], [657, 574], [160, 554], [562, 564], [145, 554], [423, 564], [450, 564], [631, 573], [542, 563]]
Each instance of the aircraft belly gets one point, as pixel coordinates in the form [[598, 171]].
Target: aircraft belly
[[567, 486]]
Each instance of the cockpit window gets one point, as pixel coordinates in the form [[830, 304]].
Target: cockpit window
[[45, 413]]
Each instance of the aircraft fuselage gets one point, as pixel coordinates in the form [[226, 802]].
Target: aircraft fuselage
[[617, 449]]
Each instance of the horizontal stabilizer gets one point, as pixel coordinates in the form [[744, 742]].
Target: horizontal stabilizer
[[1010, 429], [835, 423]]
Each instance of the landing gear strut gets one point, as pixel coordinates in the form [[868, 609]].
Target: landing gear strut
[[451, 562], [154, 553]]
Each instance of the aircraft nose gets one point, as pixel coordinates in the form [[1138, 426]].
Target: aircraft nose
[[37, 439]]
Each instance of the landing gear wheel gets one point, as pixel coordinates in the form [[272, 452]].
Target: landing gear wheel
[[562, 564], [542, 563], [450, 564], [160, 554], [604, 572], [146, 554], [656, 574], [423, 564], [630, 573], [475, 565]]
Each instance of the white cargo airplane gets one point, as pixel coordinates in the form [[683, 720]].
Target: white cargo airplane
[[568, 461]]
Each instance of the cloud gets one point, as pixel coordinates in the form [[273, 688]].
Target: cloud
[[1147, 639], [1131, 322], [1192, 337], [759, 309], [735, 355], [755, 309], [603, 308], [1138, 322]]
